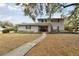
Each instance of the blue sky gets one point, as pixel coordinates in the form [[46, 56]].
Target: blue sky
[[12, 13]]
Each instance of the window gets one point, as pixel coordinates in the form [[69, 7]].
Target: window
[[51, 20], [45, 20], [42, 20], [58, 20], [28, 27], [55, 20]]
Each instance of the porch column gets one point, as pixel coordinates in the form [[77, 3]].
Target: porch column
[[49, 29]]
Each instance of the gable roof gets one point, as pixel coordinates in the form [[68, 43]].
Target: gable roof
[[34, 24], [51, 18]]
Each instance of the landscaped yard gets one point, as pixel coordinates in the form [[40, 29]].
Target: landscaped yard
[[11, 41], [57, 44]]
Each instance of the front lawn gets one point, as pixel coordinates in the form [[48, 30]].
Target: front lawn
[[11, 41], [58, 45]]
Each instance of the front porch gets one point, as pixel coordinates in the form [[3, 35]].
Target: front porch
[[43, 28]]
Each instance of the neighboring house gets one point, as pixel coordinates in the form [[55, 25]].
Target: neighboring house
[[43, 25]]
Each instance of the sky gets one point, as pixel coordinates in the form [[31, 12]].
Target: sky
[[14, 14]]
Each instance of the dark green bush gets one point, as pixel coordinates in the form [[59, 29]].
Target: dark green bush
[[5, 31]]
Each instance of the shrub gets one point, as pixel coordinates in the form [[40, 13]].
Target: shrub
[[5, 31]]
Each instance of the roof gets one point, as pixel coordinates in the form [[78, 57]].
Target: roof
[[34, 24], [51, 18]]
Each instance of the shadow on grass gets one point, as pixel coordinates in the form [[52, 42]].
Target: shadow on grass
[[63, 33]]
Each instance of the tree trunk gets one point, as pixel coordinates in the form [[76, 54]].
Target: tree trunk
[[49, 19]]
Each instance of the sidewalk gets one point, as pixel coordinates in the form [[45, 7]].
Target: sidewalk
[[22, 50]]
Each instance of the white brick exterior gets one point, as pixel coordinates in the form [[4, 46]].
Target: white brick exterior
[[58, 24], [33, 29]]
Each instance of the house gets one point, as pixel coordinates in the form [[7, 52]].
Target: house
[[43, 25]]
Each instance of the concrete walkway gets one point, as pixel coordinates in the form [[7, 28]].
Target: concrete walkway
[[22, 50]]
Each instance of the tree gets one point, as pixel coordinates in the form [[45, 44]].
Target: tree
[[1, 23], [7, 24], [72, 4], [29, 9], [72, 21], [73, 18]]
